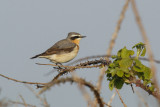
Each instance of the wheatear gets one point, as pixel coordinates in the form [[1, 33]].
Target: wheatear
[[64, 50]]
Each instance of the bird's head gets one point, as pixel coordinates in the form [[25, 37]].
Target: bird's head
[[75, 37]]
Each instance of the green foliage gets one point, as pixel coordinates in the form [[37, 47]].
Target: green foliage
[[141, 49], [125, 66]]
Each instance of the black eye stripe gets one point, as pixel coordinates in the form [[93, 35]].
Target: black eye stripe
[[75, 37]]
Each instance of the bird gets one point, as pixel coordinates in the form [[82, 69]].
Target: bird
[[64, 50]]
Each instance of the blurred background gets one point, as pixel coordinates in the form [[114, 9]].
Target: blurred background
[[29, 27]]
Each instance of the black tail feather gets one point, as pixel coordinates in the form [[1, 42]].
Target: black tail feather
[[35, 56]]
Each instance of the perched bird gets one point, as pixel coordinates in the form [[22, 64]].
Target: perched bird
[[64, 50]]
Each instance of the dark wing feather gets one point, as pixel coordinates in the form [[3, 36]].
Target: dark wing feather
[[60, 47]]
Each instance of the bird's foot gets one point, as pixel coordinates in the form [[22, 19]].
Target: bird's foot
[[58, 67]]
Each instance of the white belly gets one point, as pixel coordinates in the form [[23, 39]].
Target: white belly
[[64, 57]]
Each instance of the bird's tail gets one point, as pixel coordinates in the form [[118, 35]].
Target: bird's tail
[[36, 56]]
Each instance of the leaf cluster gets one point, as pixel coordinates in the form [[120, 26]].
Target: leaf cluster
[[125, 66]]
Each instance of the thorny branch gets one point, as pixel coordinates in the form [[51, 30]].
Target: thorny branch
[[138, 83], [76, 80], [65, 70], [81, 65]]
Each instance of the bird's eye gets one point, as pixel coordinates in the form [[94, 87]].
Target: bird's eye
[[75, 37]]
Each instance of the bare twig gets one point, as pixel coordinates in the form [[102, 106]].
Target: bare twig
[[112, 42], [120, 98], [4, 103], [25, 82], [21, 103], [25, 104], [146, 41], [117, 29], [111, 99], [87, 58], [44, 101], [83, 65], [114, 36]]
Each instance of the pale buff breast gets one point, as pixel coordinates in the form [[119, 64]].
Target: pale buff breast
[[64, 57]]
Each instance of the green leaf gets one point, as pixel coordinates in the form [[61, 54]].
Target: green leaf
[[125, 63], [126, 80], [113, 72], [140, 75], [137, 68], [137, 62], [120, 73], [143, 52], [111, 65], [145, 82], [131, 52], [118, 83], [139, 45], [111, 85], [119, 53], [126, 70], [116, 62], [151, 88], [147, 73], [114, 56], [108, 70], [125, 53], [127, 75]]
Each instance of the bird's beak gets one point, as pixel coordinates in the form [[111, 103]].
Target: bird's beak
[[82, 36]]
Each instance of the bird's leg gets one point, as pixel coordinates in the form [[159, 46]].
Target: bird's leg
[[58, 63], [58, 66]]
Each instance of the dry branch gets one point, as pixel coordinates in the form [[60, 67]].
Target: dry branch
[[112, 41], [111, 99], [25, 104], [121, 98], [21, 103], [24, 82], [138, 83], [43, 100], [76, 80]]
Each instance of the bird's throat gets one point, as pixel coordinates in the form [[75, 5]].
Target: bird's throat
[[76, 41]]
